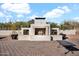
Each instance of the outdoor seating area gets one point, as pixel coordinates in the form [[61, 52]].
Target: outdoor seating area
[[11, 47], [35, 48], [68, 45]]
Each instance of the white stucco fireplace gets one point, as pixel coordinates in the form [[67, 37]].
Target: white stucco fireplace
[[39, 31]]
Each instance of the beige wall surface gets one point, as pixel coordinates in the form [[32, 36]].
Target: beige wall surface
[[68, 32], [8, 32]]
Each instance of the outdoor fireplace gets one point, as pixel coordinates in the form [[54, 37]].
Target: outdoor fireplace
[[40, 31]]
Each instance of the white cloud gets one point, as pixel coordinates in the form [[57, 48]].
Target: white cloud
[[20, 15], [59, 11], [17, 8], [18, 20], [54, 13], [65, 8], [33, 16], [76, 19], [2, 14], [8, 18]]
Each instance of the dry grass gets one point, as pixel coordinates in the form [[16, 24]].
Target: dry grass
[[74, 37]]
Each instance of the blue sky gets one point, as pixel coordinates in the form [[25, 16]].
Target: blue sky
[[54, 12]]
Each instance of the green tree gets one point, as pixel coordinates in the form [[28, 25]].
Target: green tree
[[69, 25], [54, 25]]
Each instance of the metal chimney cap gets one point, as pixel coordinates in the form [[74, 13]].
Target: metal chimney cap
[[40, 18]]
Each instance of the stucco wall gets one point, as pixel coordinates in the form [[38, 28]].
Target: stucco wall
[[23, 37], [34, 38], [56, 37], [5, 32], [40, 38], [68, 32], [8, 32]]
